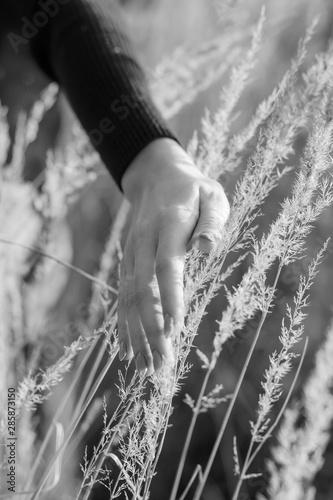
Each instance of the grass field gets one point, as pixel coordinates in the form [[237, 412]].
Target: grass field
[[271, 279]]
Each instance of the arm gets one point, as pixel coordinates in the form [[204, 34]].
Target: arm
[[174, 205], [83, 47]]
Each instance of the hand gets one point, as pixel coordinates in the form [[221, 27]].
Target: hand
[[175, 207]]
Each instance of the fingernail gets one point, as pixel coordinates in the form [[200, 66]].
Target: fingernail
[[158, 360], [122, 350], [169, 325], [205, 242], [208, 236], [141, 364]]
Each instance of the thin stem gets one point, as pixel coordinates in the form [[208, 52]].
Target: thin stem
[[166, 419], [112, 419], [244, 470], [280, 414], [73, 426], [90, 379], [57, 415], [189, 437], [60, 409], [104, 455], [224, 423], [197, 472], [251, 456], [63, 263], [197, 406], [85, 390]]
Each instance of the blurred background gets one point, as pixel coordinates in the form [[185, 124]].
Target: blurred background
[[157, 28]]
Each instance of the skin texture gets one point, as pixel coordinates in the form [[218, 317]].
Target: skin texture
[[175, 207]]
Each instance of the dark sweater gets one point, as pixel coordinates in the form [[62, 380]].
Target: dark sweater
[[82, 45]]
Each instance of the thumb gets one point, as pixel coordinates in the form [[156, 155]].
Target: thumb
[[214, 211]]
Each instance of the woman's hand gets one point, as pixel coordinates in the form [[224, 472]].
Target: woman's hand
[[175, 207]]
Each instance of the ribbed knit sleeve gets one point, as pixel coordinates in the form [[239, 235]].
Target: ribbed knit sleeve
[[83, 46]]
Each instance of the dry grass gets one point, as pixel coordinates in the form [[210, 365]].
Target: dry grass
[[241, 279]]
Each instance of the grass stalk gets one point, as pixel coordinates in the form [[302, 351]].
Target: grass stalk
[[60, 409], [93, 391], [231, 405], [196, 409], [69, 266], [189, 436], [251, 456]]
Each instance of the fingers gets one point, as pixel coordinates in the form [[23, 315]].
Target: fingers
[[140, 345], [150, 300], [140, 318], [125, 346], [132, 337], [148, 304], [214, 211], [169, 271]]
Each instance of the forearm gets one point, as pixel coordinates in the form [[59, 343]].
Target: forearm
[[84, 48]]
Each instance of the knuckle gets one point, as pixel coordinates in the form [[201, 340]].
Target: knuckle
[[177, 289], [145, 290], [129, 299], [216, 195], [175, 214], [121, 298], [140, 293], [163, 265], [155, 332], [215, 218], [211, 226]]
